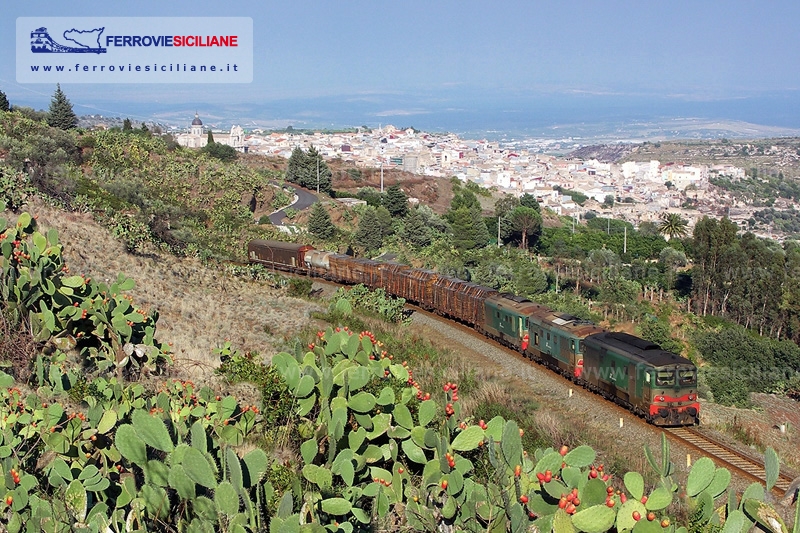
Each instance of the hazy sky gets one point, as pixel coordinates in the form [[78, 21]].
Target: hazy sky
[[439, 51]]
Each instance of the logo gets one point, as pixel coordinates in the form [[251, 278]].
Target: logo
[[134, 49], [87, 41]]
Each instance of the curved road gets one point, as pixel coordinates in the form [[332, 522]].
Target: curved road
[[304, 200]]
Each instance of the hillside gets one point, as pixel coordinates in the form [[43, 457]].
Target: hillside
[[199, 306]]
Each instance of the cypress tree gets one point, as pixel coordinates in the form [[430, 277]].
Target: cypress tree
[[61, 114], [4, 105], [210, 138], [127, 127], [320, 224]]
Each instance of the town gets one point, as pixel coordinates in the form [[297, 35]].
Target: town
[[635, 191]]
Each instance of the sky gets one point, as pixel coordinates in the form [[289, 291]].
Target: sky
[[388, 60]]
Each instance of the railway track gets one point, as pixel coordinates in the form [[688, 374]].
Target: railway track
[[739, 464], [733, 460]]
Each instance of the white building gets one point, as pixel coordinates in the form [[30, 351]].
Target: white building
[[198, 136]]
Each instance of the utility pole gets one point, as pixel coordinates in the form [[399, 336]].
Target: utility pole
[[381, 177], [498, 232], [625, 242]]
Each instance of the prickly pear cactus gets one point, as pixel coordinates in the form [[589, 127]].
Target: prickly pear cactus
[[72, 311]]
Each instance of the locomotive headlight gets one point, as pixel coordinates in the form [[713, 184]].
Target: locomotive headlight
[[691, 397], [660, 398]]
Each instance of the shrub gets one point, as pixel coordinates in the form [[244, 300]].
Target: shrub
[[300, 287]]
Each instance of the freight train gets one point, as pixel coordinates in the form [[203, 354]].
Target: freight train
[[655, 384]]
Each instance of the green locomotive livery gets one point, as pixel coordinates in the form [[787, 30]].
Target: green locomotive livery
[[659, 385]]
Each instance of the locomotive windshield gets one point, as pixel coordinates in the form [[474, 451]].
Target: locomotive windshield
[[687, 377], [665, 378]]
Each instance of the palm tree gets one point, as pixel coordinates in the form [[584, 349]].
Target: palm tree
[[672, 225]]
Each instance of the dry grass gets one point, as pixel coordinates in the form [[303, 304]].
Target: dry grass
[[199, 306]]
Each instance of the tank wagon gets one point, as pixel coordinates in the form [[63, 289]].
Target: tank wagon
[[658, 385]]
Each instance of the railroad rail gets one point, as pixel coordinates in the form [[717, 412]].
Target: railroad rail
[[735, 461]]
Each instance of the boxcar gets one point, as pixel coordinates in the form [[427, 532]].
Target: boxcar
[[389, 276], [461, 299], [415, 285], [654, 383], [506, 318], [555, 339], [277, 254]]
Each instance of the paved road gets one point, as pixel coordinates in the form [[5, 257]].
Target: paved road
[[304, 200]]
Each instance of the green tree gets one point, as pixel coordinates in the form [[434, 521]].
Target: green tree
[[210, 139], [714, 250], [617, 290], [528, 222], [61, 114], [505, 205], [384, 221], [320, 224], [468, 228], [223, 152], [4, 105], [318, 174], [502, 208], [127, 127], [608, 201], [296, 167], [670, 260], [660, 333], [396, 201], [464, 198], [415, 229], [368, 234], [529, 200], [672, 225]]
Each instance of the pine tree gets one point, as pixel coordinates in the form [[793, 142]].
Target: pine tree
[[368, 234], [384, 219], [526, 221], [296, 166], [468, 228], [61, 114], [320, 224], [4, 105], [396, 201], [415, 230], [529, 200], [317, 172]]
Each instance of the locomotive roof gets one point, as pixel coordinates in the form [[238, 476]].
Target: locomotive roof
[[649, 352], [564, 321], [517, 303]]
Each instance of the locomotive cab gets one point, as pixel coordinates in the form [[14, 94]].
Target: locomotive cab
[[673, 395]]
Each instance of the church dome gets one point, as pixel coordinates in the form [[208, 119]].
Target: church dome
[[197, 121]]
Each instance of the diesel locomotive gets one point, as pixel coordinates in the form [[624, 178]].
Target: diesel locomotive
[[655, 384]]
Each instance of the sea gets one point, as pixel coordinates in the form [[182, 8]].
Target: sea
[[581, 119]]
